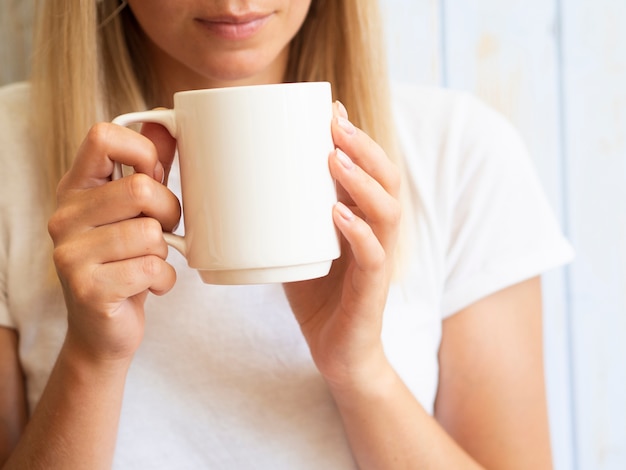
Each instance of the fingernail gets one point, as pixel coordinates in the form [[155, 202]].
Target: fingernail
[[344, 160], [346, 125], [341, 109], [159, 173], [343, 210]]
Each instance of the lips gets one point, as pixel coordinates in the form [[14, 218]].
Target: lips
[[235, 27]]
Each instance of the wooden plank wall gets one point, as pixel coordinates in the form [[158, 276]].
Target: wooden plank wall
[[594, 104], [557, 69]]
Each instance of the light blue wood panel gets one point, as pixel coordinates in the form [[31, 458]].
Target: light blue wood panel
[[594, 60], [507, 53], [413, 40]]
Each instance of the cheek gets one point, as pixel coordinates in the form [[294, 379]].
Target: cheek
[[159, 19], [164, 26], [297, 12]]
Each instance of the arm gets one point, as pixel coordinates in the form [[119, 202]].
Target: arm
[[388, 428], [109, 253], [75, 422], [490, 407], [491, 397], [13, 409], [341, 318]]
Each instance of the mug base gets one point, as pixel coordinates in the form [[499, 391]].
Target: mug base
[[280, 274]]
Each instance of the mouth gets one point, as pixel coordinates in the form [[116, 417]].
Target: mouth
[[235, 27]]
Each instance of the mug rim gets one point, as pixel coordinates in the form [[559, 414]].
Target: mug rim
[[235, 89]]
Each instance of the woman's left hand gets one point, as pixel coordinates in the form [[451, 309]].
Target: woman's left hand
[[340, 315]]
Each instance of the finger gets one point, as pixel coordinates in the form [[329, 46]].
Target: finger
[[379, 208], [136, 275], [119, 200], [105, 144], [369, 255], [130, 277], [366, 153], [342, 194], [339, 110], [125, 240], [132, 196], [164, 143]]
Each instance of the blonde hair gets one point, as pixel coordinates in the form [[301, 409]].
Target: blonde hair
[[84, 72]]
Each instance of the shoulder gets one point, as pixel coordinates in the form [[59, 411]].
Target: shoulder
[[458, 119], [446, 105], [17, 156], [453, 137], [479, 193], [15, 109], [14, 99]]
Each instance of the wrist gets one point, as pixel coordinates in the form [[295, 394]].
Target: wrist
[[86, 363], [372, 380]]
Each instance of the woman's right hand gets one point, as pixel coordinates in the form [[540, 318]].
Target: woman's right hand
[[109, 249]]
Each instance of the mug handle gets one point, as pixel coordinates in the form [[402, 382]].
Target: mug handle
[[167, 118]]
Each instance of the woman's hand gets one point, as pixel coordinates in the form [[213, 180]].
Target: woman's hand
[[341, 314], [108, 245]]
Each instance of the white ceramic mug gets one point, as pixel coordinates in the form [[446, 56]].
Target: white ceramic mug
[[257, 193]]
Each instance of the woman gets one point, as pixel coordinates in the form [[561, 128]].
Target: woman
[[437, 367]]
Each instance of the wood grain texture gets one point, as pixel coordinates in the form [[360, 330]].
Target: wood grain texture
[[414, 40], [594, 71], [557, 70]]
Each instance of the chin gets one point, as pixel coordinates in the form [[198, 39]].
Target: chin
[[235, 76], [244, 71]]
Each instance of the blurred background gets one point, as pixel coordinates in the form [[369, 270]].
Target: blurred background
[[557, 70]]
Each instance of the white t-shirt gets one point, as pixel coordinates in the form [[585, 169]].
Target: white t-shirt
[[223, 378]]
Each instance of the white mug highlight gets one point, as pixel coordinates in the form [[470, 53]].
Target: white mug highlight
[[257, 194]]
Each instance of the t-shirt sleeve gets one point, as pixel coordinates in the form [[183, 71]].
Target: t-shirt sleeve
[[5, 317], [9, 192], [501, 228]]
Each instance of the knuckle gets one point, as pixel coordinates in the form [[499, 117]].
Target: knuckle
[[98, 133], [395, 179], [55, 224], [151, 266], [394, 214], [60, 189], [151, 231], [58, 222], [139, 188], [81, 284], [378, 258], [63, 258], [364, 231], [83, 289]]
